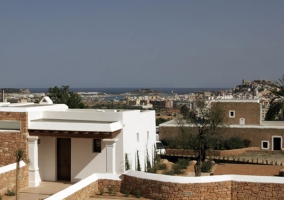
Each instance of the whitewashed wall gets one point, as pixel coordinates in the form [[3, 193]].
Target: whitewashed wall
[[47, 158]]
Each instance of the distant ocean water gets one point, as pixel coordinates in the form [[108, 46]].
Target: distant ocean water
[[124, 90]]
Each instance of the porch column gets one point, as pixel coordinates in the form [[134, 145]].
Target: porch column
[[34, 178], [110, 155]]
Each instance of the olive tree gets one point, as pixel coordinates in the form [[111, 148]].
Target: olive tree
[[196, 132]]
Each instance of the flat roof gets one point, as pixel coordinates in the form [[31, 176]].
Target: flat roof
[[74, 125]]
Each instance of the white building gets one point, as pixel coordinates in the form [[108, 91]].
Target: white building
[[71, 144]]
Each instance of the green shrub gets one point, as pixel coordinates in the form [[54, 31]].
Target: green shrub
[[102, 191], [10, 193], [161, 166], [127, 193], [138, 193], [246, 142], [183, 163], [176, 169], [234, 143], [206, 166], [168, 172], [111, 190]]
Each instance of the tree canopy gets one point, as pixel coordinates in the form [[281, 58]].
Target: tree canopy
[[276, 107], [63, 95], [197, 133]]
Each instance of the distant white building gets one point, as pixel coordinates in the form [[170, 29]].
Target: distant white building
[[71, 144]]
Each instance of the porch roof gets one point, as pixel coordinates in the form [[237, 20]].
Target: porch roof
[[74, 128]]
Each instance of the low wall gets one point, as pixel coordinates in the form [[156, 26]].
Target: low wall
[[87, 187], [8, 177], [163, 187], [187, 152], [229, 187]]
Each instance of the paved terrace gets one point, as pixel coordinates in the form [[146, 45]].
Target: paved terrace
[[44, 190]]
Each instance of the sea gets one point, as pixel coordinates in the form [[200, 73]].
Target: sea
[[179, 91]]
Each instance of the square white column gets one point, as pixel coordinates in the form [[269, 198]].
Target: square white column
[[34, 177], [110, 155]]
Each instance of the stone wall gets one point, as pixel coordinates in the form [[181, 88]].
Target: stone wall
[[257, 191], [226, 189], [174, 191], [85, 192], [255, 135], [163, 187], [8, 180], [250, 111], [105, 184], [11, 141]]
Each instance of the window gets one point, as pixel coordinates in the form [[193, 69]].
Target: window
[[265, 145], [147, 135], [231, 113], [97, 146], [137, 137]]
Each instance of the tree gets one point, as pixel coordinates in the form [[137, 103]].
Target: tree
[[197, 134], [63, 95], [276, 108], [184, 110]]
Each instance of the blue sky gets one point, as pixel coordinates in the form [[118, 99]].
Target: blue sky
[[161, 43]]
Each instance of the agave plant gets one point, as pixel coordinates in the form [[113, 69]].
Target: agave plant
[[276, 107]]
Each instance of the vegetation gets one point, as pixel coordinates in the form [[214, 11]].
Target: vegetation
[[196, 133], [102, 191], [184, 110], [138, 168], [127, 165], [20, 156], [10, 193], [276, 108], [161, 120], [206, 166], [63, 95]]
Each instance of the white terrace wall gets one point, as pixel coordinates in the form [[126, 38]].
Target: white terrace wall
[[8, 177], [163, 187]]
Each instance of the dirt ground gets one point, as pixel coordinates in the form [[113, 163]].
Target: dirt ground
[[244, 169]]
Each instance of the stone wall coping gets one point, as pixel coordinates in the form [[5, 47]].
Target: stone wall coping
[[205, 179], [11, 167], [81, 184]]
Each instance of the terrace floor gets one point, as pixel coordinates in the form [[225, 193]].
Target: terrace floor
[[44, 190]]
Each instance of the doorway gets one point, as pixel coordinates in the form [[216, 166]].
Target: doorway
[[64, 159], [277, 143]]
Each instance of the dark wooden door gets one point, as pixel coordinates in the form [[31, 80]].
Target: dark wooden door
[[64, 159], [277, 143]]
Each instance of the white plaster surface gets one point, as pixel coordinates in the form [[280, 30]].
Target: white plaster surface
[[11, 167]]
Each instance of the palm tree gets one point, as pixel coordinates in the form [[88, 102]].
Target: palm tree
[[276, 107]]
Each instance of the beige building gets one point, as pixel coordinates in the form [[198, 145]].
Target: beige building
[[244, 119]]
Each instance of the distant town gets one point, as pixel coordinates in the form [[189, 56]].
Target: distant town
[[166, 104]]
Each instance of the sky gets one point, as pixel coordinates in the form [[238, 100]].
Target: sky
[[140, 43]]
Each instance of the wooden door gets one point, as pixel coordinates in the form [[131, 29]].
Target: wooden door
[[277, 143], [64, 159]]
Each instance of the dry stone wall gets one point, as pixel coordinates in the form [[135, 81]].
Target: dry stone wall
[[174, 191], [10, 141], [8, 180], [85, 192]]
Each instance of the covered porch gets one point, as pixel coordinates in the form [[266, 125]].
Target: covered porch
[[70, 150]]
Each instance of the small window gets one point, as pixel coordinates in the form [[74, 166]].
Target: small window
[[147, 135], [97, 146], [265, 145], [137, 137], [231, 113]]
